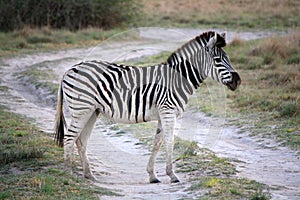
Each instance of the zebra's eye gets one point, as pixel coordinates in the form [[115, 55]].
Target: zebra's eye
[[218, 60]]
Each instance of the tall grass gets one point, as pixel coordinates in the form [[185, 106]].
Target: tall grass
[[270, 14], [270, 69]]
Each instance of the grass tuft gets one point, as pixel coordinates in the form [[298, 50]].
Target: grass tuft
[[260, 195], [39, 39], [290, 109], [237, 42], [30, 165]]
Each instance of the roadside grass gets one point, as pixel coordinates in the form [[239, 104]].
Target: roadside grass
[[269, 96], [29, 40], [237, 15], [30, 165], [39, 79], [213, 177]]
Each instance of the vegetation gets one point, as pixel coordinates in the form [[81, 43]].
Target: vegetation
[[29, 40], [31, 32], [213, 177], [271, 83], [232, 14], [72, 15], [79, 14], [30, 165], [38, 79]]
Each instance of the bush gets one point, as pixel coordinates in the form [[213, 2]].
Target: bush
[[289, 109], [70, 14]]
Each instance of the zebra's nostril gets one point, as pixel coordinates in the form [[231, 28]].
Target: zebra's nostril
[[236, 78], [235, 82]]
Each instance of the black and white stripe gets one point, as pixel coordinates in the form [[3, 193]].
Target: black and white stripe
[[130, 94]]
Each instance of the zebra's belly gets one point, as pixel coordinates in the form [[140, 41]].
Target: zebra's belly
[[132, 118]]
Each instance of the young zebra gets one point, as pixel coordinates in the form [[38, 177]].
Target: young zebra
[[128, 94]]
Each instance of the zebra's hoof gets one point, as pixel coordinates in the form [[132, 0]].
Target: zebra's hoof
[[175, 180], [154, 180], [90, 177]]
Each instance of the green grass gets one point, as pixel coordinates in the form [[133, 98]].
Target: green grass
[[30, 165], [230, 188], [214, 175], [30, 40], [269, 94], [50, 183]]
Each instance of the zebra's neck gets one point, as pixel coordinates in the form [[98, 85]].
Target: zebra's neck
[[190, 61]]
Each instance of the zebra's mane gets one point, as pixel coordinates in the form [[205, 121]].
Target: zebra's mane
[[202, 40], [205, 37]]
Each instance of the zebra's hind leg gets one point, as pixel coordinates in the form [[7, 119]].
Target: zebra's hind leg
[[81, 143], [78, 122], [156, 146], [69, 146]]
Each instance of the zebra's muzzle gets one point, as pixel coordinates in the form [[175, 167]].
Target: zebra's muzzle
[[235, 82]]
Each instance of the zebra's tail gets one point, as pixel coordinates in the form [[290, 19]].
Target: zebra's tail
[[60, 121]]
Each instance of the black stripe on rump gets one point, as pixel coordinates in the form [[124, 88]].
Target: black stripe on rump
[[80, 90], [86, 84]]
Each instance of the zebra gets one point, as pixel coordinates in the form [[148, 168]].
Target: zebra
[[132, 94]]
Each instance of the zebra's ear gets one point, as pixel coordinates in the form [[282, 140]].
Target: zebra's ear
[[212, 42], [223, 35]]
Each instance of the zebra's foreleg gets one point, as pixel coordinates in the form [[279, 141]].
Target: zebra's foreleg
[[156, 146], [81, 143], [168, 125]]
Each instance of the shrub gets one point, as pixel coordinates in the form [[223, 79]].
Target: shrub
[[289, 109], [70, 14]]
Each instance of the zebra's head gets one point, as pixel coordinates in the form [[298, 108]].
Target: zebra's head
[[220, 68]]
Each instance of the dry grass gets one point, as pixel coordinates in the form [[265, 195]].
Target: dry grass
[[278, 51], [270, 69], [229, 13]]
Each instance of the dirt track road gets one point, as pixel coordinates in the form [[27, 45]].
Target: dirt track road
[[119, 162]]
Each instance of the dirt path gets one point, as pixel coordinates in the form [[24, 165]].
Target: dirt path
[[119, 160]]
